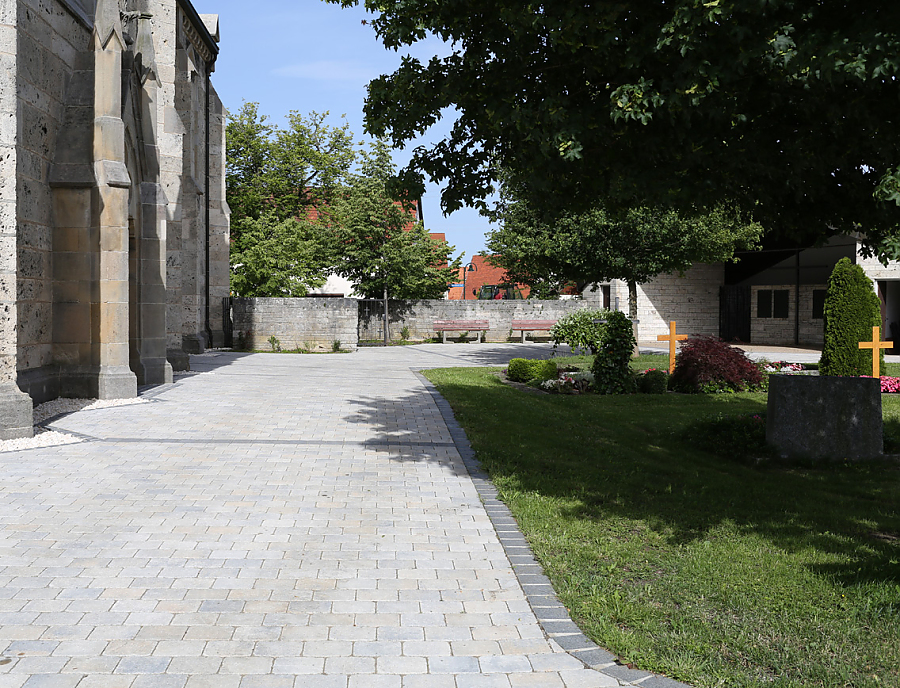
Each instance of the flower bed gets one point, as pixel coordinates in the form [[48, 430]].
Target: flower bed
[[890, 385]]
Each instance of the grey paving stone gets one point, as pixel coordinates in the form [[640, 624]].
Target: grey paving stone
[[274, 521]]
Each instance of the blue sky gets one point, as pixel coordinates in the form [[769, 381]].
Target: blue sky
[[307, 55]]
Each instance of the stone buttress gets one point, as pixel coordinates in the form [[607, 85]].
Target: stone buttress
[[110, 141]]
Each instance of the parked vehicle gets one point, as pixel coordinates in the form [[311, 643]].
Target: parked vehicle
[[497, 292]]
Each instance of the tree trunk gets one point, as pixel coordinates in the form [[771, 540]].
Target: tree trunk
[[632, 300], [633, 313], [386, 334]]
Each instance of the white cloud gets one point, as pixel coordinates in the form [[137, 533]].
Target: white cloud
[[330, 70]]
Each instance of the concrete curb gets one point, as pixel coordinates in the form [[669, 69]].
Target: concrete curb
[[551, 614]]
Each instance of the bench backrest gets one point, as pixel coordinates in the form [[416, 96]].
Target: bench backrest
[[462, 324], [535, 324]]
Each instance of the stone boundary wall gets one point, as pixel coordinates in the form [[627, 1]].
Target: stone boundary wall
[[316, 322], [309, 323], [419, 316]]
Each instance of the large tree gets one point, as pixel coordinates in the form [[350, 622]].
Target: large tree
[[634, 244], [380, 244], [787, 108], [279, 185]]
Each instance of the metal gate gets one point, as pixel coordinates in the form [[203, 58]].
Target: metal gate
[[734, 313]]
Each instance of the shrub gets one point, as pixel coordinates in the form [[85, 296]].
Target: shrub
[[519, 370], [707, 364], [544, 370], [274, 343], [526, 370], [611, 369], [336, 345], [578, 330], [404, 333], [653, 381], [852, 309]]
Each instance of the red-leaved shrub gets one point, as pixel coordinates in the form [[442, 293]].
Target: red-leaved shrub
[[707, 364]]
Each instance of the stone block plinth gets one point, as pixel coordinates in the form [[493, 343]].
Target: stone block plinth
[[824, 418]]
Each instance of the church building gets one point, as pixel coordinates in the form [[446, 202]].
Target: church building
[[114, 230]]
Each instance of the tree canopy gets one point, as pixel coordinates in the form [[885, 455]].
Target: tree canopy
[[380, 243], [277, 183], [634, 244], [786, 108], [306, 201]]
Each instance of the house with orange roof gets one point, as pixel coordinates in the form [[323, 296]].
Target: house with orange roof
[[479, 276]]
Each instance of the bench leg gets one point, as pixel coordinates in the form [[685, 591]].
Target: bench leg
[[478, 340], [443, 336], [523, 336]]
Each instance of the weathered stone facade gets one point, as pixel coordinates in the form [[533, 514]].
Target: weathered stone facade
[[113, 223]]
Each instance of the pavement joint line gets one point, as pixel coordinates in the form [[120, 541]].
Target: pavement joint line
[[186, 440], [500, 517]]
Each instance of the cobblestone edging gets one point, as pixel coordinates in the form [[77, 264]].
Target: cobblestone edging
[[552, 616]]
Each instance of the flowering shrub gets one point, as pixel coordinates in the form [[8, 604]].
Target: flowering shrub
[[783, 366], [707, 364], [568, 384]]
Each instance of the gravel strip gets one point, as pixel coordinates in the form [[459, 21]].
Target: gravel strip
[[51, 438]]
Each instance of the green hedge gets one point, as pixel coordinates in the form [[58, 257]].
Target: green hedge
[[526, 370]]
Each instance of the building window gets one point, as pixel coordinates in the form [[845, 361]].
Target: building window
[[772, 303], [780, 303], [818, 311], [764, 303]]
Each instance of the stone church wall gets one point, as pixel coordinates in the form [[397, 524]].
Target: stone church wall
[[49, 43], [15, 407], [113, 222]]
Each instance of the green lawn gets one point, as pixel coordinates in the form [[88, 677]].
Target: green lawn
[[690, 564]]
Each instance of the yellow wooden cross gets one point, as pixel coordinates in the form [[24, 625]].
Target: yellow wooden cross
[[673, 340], [876, 345]]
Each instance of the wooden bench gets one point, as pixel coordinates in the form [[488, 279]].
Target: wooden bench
[[524, 326], [445, 326]]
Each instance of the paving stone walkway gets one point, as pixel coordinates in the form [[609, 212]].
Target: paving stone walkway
[[276, 521]]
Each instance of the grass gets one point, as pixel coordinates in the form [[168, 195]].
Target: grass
[[687, 563]]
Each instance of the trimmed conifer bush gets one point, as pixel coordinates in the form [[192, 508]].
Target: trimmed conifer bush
[[852, 309]]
